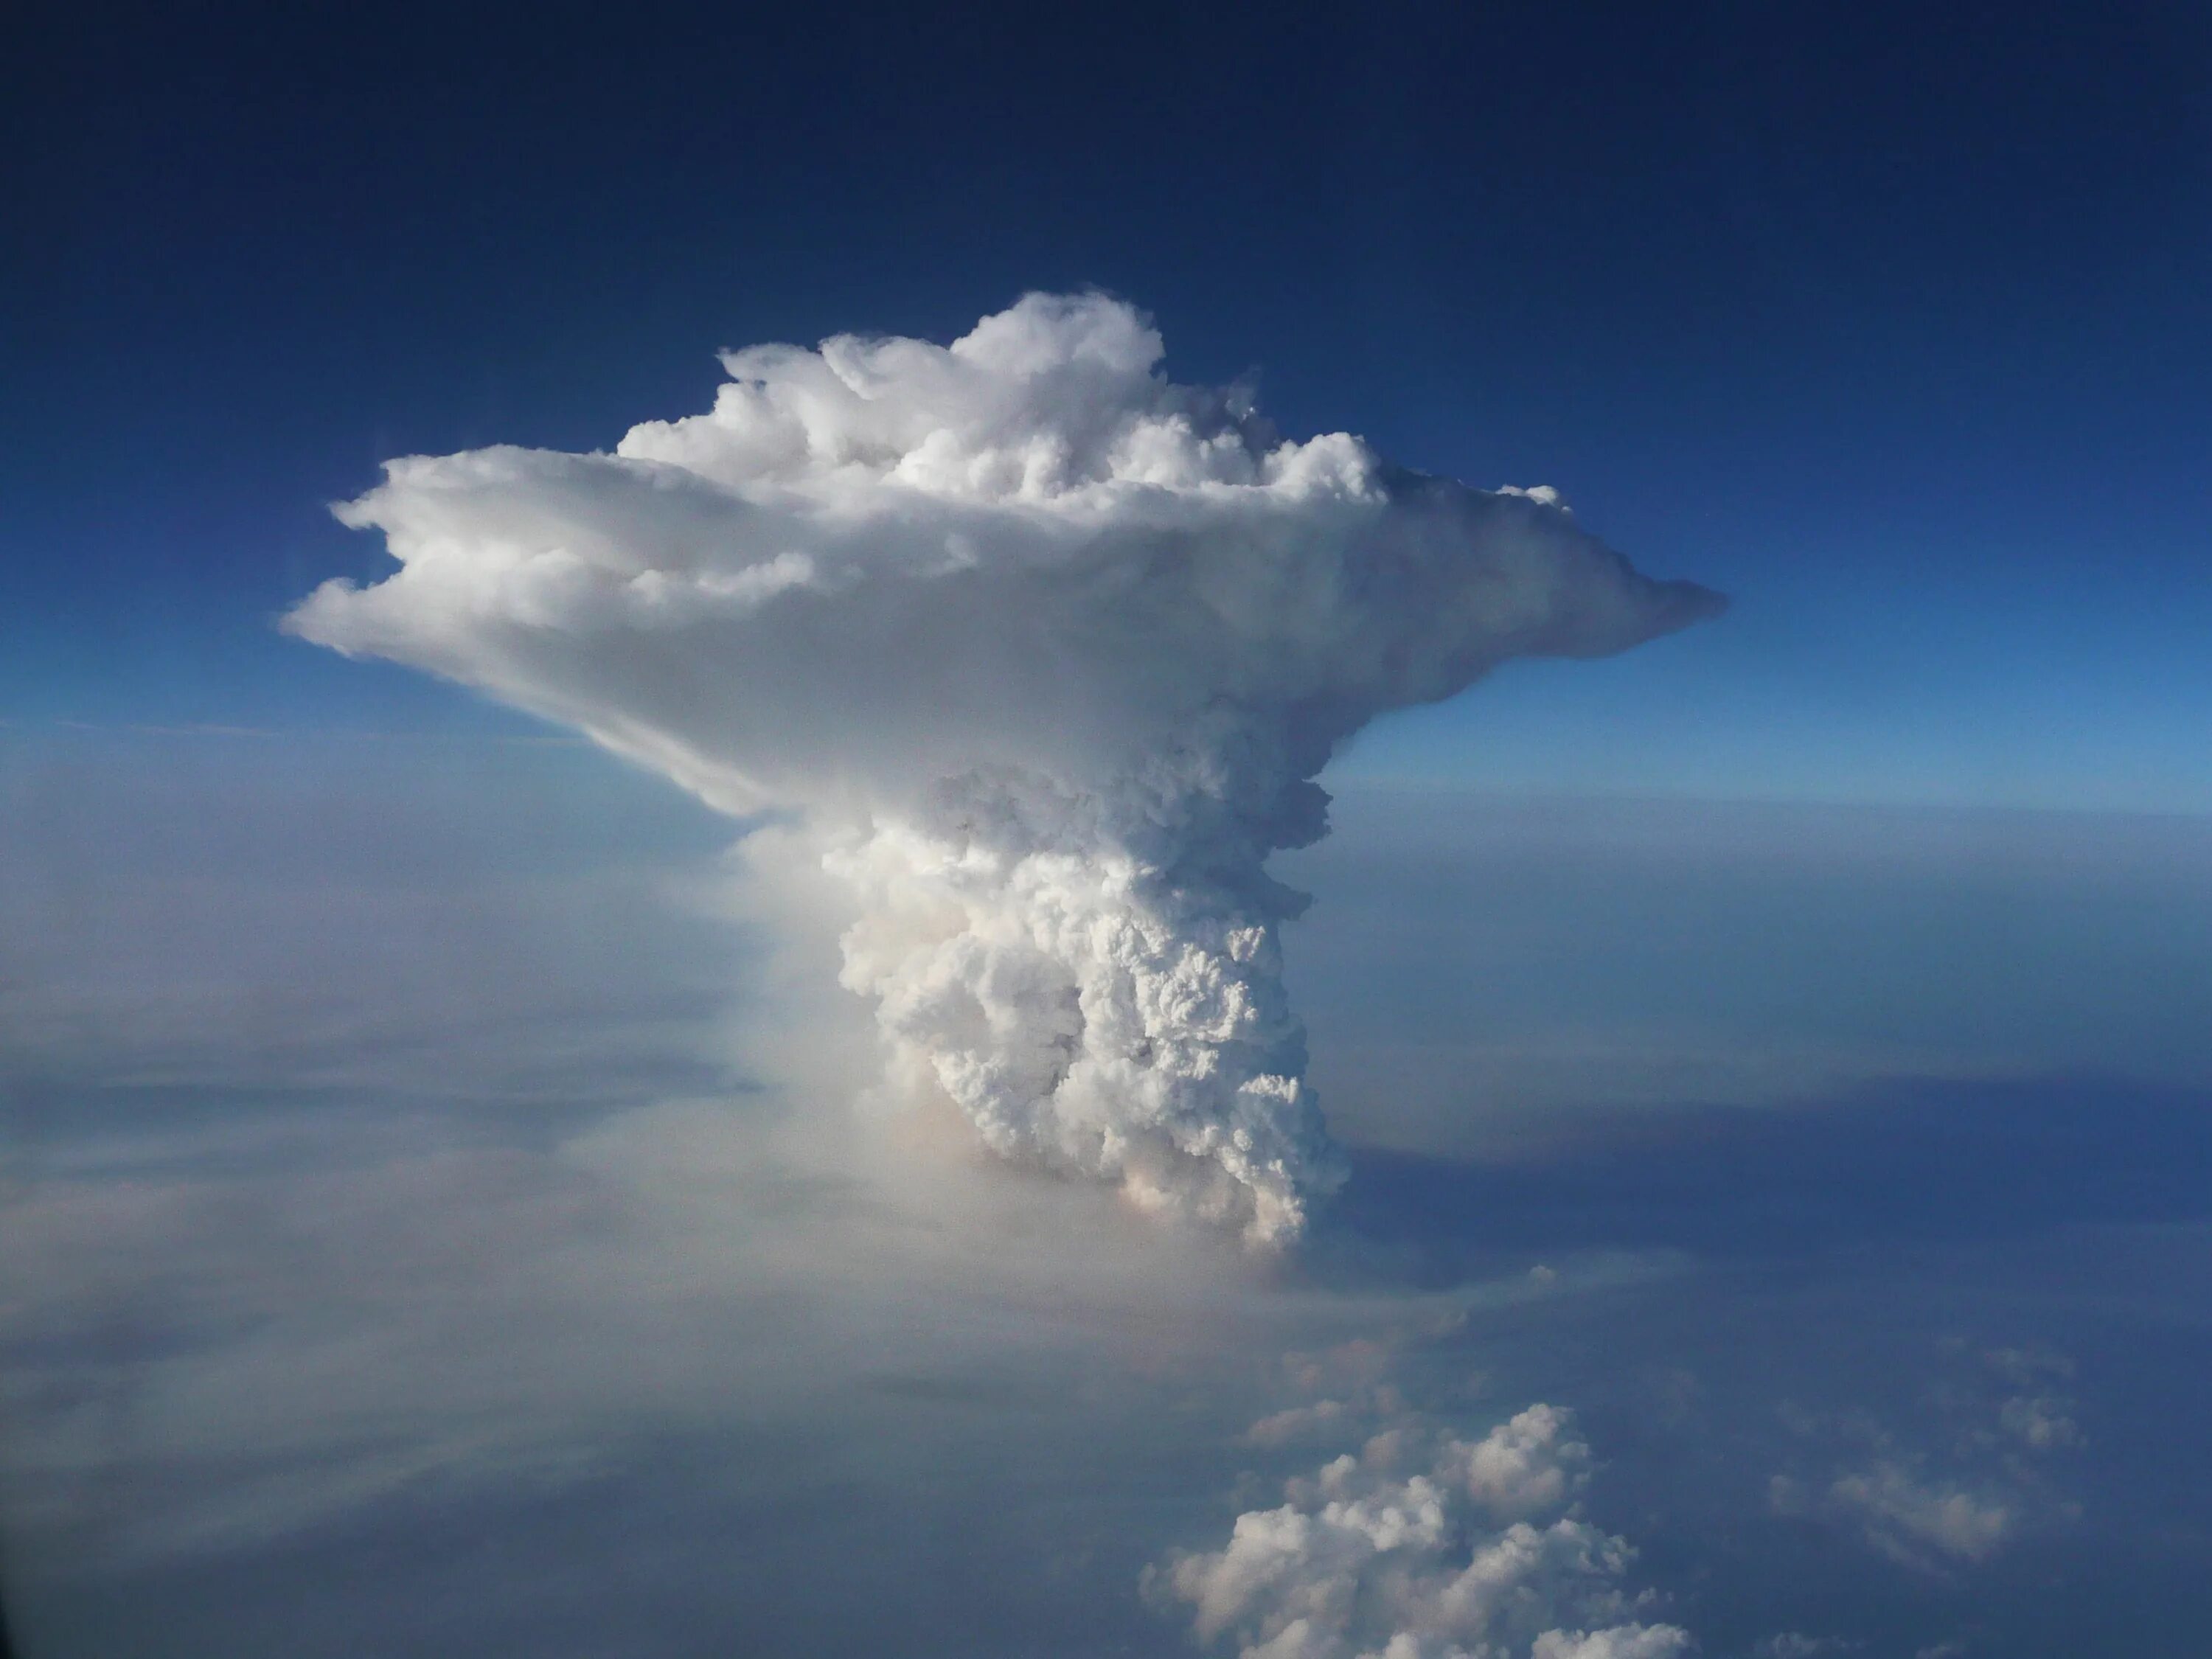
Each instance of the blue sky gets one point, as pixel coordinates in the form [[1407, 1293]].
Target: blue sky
[[448, 1204], [1888, 324]]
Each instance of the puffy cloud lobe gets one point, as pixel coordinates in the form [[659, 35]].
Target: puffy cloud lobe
[[1524, 1466], [1404, 1551], [1047, 649]]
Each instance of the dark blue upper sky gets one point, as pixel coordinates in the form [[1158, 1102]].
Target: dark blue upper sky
[[1888, 319]]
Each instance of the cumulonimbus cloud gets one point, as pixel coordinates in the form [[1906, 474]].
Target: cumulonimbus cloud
[[1048, 650]]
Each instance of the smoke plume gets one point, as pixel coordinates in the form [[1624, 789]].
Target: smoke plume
[[1047, 650]]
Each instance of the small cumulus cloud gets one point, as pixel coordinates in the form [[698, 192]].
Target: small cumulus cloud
[[1296, 1423], [1908, 1516], [1917, 1520], [1423, 1544], [1932, 1508], [1620, 1642], [2038, 1412], [1795, 1645]]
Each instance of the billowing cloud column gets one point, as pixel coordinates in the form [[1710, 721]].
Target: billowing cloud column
[[1048, 650]]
